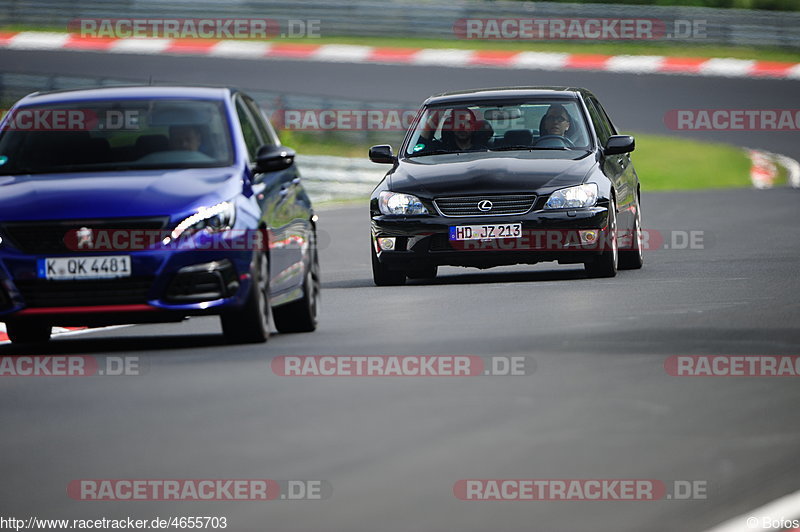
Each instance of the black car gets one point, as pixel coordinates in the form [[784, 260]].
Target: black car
[[507, 176]]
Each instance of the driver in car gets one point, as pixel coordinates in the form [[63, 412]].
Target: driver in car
[[555, 121], [186, 138]]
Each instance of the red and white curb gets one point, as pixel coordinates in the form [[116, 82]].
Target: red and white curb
[[764, 169], [346, 53]]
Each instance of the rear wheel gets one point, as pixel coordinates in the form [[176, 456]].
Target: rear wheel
[[250, 324], [605, 265], [383, 276], [633, 258], [28, 333], [301, 315]]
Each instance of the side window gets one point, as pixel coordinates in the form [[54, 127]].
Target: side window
[[605, 118], [268, 135], [249, 130], [597, 121]]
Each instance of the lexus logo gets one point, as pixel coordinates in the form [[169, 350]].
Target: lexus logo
[[485, 205], [85, 238]]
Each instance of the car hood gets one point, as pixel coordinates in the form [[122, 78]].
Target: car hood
[[495, 172], [114, 194]]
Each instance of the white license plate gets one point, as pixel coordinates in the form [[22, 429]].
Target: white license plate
[[485, 231], [64, 268]]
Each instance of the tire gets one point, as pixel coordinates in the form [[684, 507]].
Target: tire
[[606, 264], [632, 259], [383, 276], [301, 315], [250, 324], [428, 273], [28, 333]]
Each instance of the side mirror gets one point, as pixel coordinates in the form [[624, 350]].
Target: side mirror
[[620, 144], [274, 158], [382, 154]]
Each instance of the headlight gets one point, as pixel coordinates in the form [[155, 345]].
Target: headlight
[[214, 219], [573, 197], [397, 203]]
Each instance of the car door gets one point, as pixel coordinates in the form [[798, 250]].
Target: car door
[[267, 191], [286, 207], [630, 177], [613, 166]]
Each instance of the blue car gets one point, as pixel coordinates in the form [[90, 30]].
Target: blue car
[[151, 204]]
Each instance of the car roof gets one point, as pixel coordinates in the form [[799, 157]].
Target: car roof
[[506, 93], [126, 92]]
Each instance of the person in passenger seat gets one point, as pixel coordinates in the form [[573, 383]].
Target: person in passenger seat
[[462, 131]]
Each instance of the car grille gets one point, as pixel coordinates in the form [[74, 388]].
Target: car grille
[[41, 293], [48, 236], [468, 205]]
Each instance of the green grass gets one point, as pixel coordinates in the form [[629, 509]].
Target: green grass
[[662, 163], [670, 163], [593, 47]]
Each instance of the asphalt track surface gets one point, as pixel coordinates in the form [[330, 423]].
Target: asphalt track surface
[[599, 403]]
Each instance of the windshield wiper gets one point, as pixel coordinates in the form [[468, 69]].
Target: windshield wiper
[[432, 152], [514, 147]]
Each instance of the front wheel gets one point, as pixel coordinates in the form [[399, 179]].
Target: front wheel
[[28, 333], [383, 276], [605, 265], [428, 273], [301, 315], [250, 324]]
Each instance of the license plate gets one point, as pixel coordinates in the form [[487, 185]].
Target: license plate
[[70, 268], [485, 231]]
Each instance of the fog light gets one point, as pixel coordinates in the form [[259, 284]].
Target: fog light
[[589, 236], [386, 243]]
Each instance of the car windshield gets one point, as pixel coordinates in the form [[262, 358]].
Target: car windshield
[[107, 135], [499, 126]]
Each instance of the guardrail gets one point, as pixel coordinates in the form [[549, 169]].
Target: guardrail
[[417, 19], [328, 178]]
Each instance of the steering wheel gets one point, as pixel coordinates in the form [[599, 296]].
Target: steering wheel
[[568, 143]]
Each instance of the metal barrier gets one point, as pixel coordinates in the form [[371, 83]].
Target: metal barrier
[[418, 19]]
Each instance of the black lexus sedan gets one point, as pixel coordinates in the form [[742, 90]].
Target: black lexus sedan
[[506, 176]]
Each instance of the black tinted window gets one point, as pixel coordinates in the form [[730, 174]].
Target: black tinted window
[[249, 129]]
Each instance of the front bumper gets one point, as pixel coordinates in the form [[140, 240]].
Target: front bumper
[[165, 285], [423, 241]]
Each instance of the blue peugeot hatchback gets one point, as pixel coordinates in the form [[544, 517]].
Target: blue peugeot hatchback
[[151, 204]]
